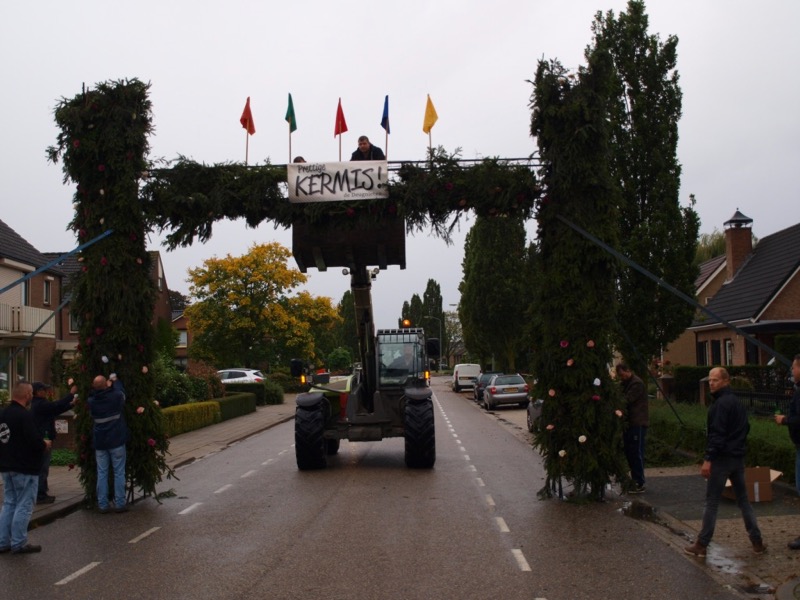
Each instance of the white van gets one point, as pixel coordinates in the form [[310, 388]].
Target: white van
[[464, 376]]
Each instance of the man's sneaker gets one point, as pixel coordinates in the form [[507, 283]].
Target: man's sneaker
[[27, 549], [122, 509], [636, 489], [45, 500], [696, 549], [759, 547], [794, 544]]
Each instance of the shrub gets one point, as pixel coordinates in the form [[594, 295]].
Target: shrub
[[289, 384], [257, 389], [171, 386], [274, 392], [188, 417], [206, 372]]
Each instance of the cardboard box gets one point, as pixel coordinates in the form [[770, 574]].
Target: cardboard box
[[759, 484]]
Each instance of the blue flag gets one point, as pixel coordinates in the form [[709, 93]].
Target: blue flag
[[385, 118]]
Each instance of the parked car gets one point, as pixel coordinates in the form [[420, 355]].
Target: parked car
[[534, 414], [464, 376], [505, 389], [240, 376], [480, 385]]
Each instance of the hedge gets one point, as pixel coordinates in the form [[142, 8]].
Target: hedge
[[236, 405], [188, 417]]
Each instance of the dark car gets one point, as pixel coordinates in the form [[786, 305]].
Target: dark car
[[505, 389], [480, 384], [534, 414]]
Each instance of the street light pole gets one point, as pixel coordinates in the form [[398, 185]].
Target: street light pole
[[439, 360]]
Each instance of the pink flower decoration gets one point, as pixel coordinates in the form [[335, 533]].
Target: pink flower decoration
[[151, 442], [551, 393], [140, 410], [564, 343], [104, 261], [618, 412], [144, 369], [76, 144], [570, 362], [98, 331], [596, 397], [590, 344], [550, 427], [448, 186], [101, 168]]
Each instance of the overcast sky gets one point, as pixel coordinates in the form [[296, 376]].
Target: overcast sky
[[739, 135]]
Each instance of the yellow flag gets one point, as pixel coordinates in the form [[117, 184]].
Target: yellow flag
[[430, 116]]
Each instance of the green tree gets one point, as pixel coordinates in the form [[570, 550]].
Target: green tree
[[495, 290], [246, 310], [433, 314], [709, 245], [573, 298], [655, 231], [346, 335]]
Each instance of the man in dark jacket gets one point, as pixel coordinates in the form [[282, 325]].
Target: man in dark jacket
[[110, 433], [21, 449], [638, 419], [726, 445], [366, 151], [45, 413], [792, 421]]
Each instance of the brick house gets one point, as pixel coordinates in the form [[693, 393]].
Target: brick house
[[760, 295], [29, 321]]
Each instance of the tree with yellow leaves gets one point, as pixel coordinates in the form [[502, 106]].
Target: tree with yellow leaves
[[247, 312]]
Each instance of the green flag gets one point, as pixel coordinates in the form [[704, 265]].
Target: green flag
[[290, 119]]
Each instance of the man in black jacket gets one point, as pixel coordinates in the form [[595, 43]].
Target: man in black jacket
[[727, 426], [45, 413], [638, 419], [366, 151], [792, 421], [21, 449]]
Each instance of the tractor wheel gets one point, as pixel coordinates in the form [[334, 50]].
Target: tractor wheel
[[331, 447], [309, 445], [420, 435]]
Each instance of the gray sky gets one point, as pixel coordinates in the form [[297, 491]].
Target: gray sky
[[739, 135]]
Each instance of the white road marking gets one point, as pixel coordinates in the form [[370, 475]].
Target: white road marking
[[224, 488], [77, 573], [144, 535], [251, 472], [501, 523], [282, 452], [523, 564], [269, 461], [462, 448], [466, 456], [480, 482], [489, 500], [472, 468], [189, 509]]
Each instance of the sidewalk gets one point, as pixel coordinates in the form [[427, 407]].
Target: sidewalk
[[183, 449]]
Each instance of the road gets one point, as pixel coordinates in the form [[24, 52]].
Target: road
[[245, 523]]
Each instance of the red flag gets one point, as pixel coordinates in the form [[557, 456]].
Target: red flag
[[247, 118], [341, 124]]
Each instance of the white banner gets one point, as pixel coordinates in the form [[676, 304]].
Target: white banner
[[338, 181]]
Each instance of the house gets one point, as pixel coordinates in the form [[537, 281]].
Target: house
[[181, 324], [29, 320], [760, 295]]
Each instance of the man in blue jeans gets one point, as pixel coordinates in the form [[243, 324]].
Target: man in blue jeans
[[727, 426], [21, 451], [110, 434], [638, 420], [792, 421]]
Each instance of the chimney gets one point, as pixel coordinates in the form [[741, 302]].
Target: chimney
[[738, 242]]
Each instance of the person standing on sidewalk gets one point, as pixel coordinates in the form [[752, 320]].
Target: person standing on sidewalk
[[110, 434], [792, 421], [635, 433], [727, 427], [45, 413], [21, 450]]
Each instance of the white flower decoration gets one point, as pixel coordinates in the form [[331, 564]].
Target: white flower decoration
[[596, 381], [582, 439], [562, 453]]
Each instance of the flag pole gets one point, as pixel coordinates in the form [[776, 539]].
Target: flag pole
[[387, 145], [290, 142], [340, 147], [246, 146]]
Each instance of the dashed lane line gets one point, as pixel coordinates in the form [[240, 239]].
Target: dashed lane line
[[224, 488], [501, 523], [147, 533], [489, 500], [77, 573], [520, 558], [190, 508], [248, 474]]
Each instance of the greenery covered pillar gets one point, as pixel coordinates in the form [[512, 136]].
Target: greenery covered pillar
[[103, 146], [573, 305]]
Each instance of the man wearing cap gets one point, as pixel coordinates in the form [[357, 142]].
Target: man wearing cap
[[110, 433], [44, 414], [21, 449]]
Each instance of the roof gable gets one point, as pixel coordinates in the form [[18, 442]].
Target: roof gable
[[14, 247], [766, 270]]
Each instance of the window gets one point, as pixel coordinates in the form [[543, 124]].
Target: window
[[25, 293], [74, 324], [702, 354], [716, 352], [728, 352], [48, 291], [183, 339]]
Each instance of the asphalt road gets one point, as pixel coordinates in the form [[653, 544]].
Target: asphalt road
[[245, 523]]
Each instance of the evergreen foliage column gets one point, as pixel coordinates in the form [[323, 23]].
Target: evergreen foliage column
[[103, 146], [574, 294]]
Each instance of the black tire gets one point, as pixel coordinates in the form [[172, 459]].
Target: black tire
[[420, 435], [309, 445], [331, 447]]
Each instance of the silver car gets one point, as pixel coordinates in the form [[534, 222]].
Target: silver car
[[505, 389]]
